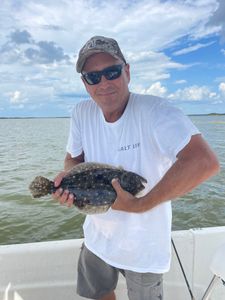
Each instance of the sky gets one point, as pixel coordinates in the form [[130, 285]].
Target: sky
[[175, 48]]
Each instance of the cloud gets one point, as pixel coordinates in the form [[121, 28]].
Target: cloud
[[222, 88], [150, 66], [181, 81], [46, 53], [199, 93], [40, 39], [218, 19], [192, 93], [53, 27], [20, 37], [16, 98], [192, 48], [156, 24], [155, 89], [22, 48]]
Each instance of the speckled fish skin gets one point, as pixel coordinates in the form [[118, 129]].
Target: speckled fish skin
[[91, 185]]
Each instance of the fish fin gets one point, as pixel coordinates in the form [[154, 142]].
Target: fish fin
[[41, 186], [88, 166], [120, 168]]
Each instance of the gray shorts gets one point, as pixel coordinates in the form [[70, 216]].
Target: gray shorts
[[97, 279]]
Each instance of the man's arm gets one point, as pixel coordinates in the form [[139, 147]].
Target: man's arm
[[69, 163], [195, 163]]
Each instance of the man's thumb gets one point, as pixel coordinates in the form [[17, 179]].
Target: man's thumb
[[116, 185], [59, 178]]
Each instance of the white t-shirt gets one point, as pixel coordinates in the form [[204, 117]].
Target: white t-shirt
[[145, 140]]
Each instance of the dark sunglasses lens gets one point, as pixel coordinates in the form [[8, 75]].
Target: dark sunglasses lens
[[113, 72], [92, 77]]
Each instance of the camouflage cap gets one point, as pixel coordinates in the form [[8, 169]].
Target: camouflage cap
[[98, 44]]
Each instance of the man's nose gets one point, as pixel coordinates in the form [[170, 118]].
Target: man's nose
[[104, 80]]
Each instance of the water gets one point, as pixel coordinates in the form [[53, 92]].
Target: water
[[29, 147]]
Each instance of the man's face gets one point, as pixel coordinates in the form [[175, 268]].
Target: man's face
[[110, 95]]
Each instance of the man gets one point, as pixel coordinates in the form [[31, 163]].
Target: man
[[146, 135]]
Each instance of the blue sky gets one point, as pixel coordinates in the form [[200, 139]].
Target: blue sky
[[176, 49]]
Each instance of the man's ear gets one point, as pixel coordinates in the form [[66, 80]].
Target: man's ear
[[127, 71]]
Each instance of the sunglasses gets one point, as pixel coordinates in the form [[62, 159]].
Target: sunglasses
[[110, 73]]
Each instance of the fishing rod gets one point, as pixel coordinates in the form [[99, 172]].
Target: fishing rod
[[182, 269]]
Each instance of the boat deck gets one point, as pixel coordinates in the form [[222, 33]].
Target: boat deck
[[47, 270]]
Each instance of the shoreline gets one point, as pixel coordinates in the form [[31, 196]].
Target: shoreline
[[67, 117], [8, 118]]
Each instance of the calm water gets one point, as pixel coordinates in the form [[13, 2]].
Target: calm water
[[29, 147]]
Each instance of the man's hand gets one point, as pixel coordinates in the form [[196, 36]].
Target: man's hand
[[125, 201], [63, 196]]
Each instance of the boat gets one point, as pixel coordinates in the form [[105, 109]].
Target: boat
[[47, 270]]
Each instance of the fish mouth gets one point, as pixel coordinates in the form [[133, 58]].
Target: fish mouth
[[143, 180], [144, 183]]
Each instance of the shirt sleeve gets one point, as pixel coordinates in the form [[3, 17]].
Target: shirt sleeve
[[74, 143], [172, 129]]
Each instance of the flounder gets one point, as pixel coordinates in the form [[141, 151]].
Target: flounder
[[91, 185]]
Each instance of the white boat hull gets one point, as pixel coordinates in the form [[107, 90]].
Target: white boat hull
[[47, 270]]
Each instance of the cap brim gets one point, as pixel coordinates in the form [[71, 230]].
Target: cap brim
[[81, 61]]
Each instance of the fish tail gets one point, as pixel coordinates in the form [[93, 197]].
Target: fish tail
[[41, 186]]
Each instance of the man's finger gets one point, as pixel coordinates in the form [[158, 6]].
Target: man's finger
[[116, 185], [70, 200], [59, 178], [64, 197], [57, 194]]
